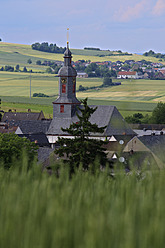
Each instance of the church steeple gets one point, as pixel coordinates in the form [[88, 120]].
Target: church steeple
[[66, 103]]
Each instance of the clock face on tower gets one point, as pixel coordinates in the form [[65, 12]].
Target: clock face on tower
[[63, 80]]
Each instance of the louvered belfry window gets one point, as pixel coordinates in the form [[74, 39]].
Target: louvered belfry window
[[64, 88], [74, 88], [61, 108]]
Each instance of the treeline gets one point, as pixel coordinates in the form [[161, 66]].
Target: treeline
[[107, 82], [91, 48], [153, 54], [157, 117], [40, 95], [45, 47], [12, 69], [94, 70]]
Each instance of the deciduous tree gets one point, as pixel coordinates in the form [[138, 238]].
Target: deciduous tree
[[12, 146]]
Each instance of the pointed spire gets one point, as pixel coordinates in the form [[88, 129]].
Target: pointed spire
[[67, 52]]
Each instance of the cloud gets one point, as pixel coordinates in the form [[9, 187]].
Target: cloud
[[159, 8], [130, 13]]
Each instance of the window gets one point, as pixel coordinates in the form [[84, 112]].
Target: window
[[61, 108], [74, 88], [64, 88]]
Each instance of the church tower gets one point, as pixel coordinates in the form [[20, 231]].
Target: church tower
[[65, 105]]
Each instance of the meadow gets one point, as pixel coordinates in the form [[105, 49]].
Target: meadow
[[131, 96], [92, 211], [12, 54]]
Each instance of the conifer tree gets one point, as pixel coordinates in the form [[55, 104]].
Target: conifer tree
[[83, 149]]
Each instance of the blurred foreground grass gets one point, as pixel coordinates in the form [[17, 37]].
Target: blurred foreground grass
[[38, 210]]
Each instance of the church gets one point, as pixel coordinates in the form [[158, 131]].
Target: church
[[66, 106]]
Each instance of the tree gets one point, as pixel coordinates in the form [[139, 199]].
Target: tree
[[0, 39], [158, 114], [24, 69], [107, 81], [38, 62], [17, 68], [12, 146], [49, 70], [29, 61], [9, 68], [82, 150]]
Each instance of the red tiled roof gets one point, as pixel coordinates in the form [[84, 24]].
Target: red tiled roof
[[127, 73]]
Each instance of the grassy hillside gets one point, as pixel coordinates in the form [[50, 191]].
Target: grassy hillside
[[17, 84], [13, 54], [139, 95], [129, 97]]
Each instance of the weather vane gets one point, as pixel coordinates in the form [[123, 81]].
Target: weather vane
[[67, 35]]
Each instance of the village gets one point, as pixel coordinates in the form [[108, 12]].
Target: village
[[124, 141], [129, 69]]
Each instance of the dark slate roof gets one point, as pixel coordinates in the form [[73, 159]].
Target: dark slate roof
[[39, 138], [64, 99], [18, 116], [156, 144], [67, 71], [44, 153], [104, 116], [67, 52], [153, 141], [29, 127]]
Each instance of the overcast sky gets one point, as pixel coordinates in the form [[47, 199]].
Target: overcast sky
[[129, 25]]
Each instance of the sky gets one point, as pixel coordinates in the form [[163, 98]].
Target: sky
[[131, 25]]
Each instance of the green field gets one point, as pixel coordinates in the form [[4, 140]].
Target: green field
[[131, 96], [91, 211]]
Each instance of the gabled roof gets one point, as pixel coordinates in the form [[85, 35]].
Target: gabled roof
[[156, 143], [103, 116], [29, 127], [39, 138], [127, 73], [20, 116]]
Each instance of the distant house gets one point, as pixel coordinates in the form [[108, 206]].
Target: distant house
[[153, 145], [22, 116], [127, 75], [82, 75]]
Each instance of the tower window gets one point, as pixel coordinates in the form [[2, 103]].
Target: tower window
[[61, 108], [64, 88], [74, 88]]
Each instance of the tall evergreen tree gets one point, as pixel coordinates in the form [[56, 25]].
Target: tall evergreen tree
[[83, 149]]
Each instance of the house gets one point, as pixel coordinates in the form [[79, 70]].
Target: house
[[127, 75], [66, 107], [22, 116], [82, 75], [150, 145]]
